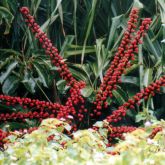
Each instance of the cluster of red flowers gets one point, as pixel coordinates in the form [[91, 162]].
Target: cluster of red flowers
[[130, 104], [27, 103], [50, 50], [22, 116], [106, 87], [50, 138], [76, 99], [30, 103], [75, 96], [125, 53], [117, 132], [155, 131]]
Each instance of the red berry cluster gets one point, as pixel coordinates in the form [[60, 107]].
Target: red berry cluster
[[143, 94], [31, 103], [76, 99], [105, 86], [57, 60], [22, 116], [50, 138], [50, 50], [155, 131], [117, 132], [121, 61], [42, 109]]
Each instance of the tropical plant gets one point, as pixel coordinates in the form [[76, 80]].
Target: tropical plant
[[26, 71]]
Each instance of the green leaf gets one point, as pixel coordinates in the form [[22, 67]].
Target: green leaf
[[6, 61], [163, 47], [5, 52], [87, 91], [141, 68], [60, 11], [4, 75], [120, 96], [36, 5], [152, 47], [130, 80], [148, 76], [69, 53], [79, 74], [68, 41], [90, 20], [10, 85], [7, 16], [102, 58], [138, 4], [41, 73], [61, 86], [116, 23], [131, 69], [28, 82], [75, 18], [141, 117], [49, 22], [162, 9]]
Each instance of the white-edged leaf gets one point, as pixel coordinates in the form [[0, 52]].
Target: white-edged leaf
[[29, 83], [5, 74], [10, 85], [87, 91], [41, 73]]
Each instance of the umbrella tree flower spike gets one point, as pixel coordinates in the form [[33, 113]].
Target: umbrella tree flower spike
[[130, 104], [75, 94], [121, 62]]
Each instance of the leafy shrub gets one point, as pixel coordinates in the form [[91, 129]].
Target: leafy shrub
[[74, 108], [85, 146]]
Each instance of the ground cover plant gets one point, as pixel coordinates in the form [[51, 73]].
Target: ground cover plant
[[50, 145], [104, 91]]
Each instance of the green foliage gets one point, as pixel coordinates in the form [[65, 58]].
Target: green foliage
[[17, 69], [6, 15], [85, 147]]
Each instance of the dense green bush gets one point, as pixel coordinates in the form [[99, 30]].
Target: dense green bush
[[85, 147]]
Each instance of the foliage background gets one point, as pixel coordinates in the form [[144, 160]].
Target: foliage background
[[87, 33]]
